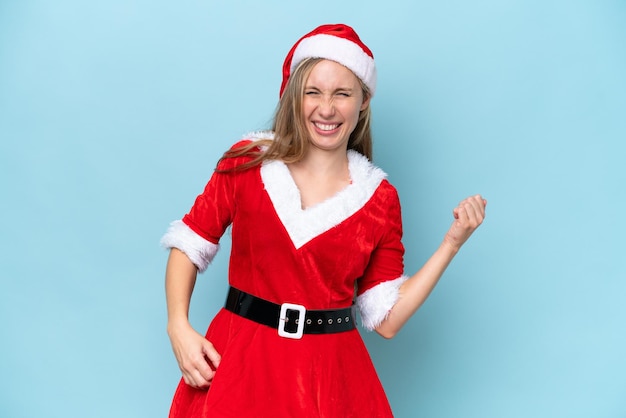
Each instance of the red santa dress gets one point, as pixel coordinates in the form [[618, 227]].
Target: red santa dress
[[314, 257]]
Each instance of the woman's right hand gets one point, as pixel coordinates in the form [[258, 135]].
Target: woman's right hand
[[196, 356]]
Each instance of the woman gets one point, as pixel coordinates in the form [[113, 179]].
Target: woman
[[314, 226]]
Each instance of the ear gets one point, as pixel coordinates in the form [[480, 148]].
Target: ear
[[366, 102]]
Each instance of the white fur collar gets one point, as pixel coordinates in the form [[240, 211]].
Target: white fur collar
[[303, 225], [256, 135]]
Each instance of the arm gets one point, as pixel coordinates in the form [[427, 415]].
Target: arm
[[197, 358], [413, 292]]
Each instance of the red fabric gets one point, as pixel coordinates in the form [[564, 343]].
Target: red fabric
[[262, 374]]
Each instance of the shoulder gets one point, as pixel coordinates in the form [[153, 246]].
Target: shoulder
[[372, 182], [249, 147], [365, 174], [257, 137]]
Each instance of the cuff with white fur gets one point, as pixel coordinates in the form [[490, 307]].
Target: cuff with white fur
[[375, 303], [200, 251]]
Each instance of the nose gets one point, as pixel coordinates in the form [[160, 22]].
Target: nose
[[326, 107]]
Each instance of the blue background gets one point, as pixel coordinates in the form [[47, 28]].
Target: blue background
[[113, 114]]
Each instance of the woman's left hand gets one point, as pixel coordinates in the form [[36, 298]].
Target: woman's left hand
[[467, 217]]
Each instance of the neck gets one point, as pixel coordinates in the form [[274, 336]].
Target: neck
[[324, 163], [320, 175]]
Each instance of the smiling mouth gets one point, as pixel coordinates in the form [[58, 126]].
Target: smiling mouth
[[326, 127]]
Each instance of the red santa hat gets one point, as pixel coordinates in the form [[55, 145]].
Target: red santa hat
[[338, 43]]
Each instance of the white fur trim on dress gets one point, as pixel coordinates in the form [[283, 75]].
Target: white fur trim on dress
[[200, 251], [303, 225], [375, 304], [257, 135]]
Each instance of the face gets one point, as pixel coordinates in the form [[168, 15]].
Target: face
[[333, 99]]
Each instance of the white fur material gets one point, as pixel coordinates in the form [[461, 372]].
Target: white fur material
[[200, 251], [374, 305], [256, 135], [343, 51], [303, 225]]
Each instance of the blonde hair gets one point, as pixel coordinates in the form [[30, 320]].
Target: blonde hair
[[291, 137]]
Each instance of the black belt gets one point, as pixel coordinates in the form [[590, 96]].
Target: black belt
[[291, 320]]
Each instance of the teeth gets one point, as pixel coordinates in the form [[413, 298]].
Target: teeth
[[326, 127]]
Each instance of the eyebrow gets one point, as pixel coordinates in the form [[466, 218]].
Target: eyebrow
[[346, 89]]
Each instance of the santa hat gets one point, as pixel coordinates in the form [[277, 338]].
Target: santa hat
[[338, 43]]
